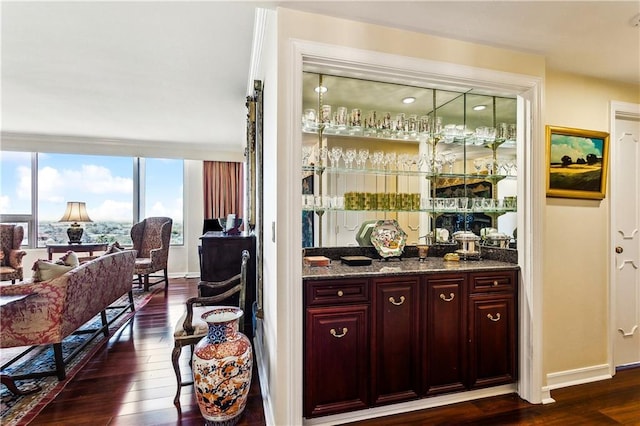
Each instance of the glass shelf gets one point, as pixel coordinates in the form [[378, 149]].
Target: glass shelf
[[469, 178], [402, 136], [500, 211]]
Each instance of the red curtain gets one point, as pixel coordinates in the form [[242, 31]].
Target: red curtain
[[223, 189]]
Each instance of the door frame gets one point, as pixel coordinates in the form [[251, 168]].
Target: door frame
[[313, 56], [617, 109]]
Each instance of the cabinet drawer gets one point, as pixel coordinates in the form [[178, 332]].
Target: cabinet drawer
[[333, 292], [483, 282]]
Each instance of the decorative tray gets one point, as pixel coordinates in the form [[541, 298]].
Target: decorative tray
[[356, 260], [388, 238]]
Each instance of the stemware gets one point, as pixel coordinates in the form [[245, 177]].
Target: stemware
[[390, 159], [490, 163], [451, 159], [477, 164], [376, 159], [334, 156], [349, 156], [322, 156], [306, 153], [363, 156]]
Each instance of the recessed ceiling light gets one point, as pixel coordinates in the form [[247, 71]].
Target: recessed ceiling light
[[479, 107], [321, 89], [409, 100]]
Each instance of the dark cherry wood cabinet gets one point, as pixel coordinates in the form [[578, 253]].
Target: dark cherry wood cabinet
[[336, 355], [445, 346], [387, 339], [492, 329], [221, 259], [395, 339]]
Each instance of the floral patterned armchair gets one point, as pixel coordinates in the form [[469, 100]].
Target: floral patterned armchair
[[151, 239], [10, 254]]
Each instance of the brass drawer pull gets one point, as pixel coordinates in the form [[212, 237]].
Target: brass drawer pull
[[340, 293], [393, 300], [335, 334], [497, 318], [451, 296]]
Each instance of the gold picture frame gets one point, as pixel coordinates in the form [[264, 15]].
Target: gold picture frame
[[577, 163]]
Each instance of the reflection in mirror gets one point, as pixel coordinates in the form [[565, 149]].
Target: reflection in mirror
[[443, 160]]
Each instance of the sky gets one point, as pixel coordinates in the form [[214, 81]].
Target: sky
[[104, 183], [575, 147]]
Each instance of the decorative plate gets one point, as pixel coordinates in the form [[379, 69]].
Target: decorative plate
[[388, 238]]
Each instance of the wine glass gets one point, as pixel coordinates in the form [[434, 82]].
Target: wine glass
[[490, 163], [363, 156], [322, 156], [376, 159], [477, 164], [451, 159], [306, 153], [390, 159], [349, 156], [335, 155]]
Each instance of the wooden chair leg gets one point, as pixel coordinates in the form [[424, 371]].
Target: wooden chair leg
[[146, 282], [175, 358], [166, 279]]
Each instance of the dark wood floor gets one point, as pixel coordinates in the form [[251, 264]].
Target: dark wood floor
[[131, 382], [608, 402]]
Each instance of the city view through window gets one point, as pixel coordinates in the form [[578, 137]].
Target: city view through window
[[105, 183]]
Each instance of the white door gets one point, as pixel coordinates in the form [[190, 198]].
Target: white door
[[625, 236]]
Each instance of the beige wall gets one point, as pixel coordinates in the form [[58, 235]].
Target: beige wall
[[285, 354], [576, 235]]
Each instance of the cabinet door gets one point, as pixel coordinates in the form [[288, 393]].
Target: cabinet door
[[395, 357], [492, 330], [445, 367], [336, 360]]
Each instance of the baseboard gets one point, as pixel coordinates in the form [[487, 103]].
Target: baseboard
[[262, 374], [563, 379], [404, 407]]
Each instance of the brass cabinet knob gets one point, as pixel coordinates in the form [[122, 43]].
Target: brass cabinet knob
[[619, 249], [340, 293], [495, 283]]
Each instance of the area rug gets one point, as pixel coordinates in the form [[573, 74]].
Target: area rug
[[20, 410]]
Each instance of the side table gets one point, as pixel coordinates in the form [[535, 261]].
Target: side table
[[83, 247]]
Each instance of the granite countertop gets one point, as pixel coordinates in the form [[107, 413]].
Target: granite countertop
[[405, 266]]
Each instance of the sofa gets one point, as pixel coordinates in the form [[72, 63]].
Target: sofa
[[58, 307]]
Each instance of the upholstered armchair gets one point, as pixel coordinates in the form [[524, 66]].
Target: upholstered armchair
[[151, 239], [11, 256]]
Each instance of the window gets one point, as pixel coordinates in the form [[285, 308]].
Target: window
[[163, 189], [118, 192]]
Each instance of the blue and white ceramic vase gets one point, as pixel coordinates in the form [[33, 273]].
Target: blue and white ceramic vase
[[222, 366]]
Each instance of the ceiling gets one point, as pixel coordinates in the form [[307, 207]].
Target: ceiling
[[177, 72]]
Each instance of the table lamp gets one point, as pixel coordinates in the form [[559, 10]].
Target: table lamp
[[76, 212]]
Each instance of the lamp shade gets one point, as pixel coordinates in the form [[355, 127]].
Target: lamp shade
[[76, 212]]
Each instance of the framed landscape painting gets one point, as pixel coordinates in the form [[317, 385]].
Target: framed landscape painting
[[576, 163]]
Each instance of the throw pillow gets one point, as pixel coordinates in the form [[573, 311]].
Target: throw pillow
[[43, 270], [113, 248], [1, 257], [70, 258]]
